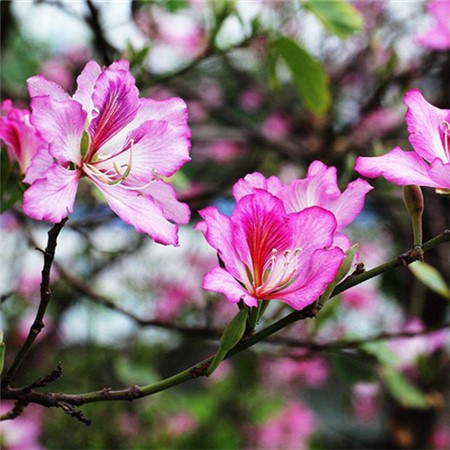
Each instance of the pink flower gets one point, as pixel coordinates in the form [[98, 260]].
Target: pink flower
[[23, 142], [181, 424], [24, 431], [250, 100], [290, 428], [270, 254], [365, 400], [319, 188], [438, 38], [276, 126], [121, 143], [429, 163]]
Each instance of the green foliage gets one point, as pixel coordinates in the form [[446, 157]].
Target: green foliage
[[11, 189], [430, 277], [403, 390], [337, 16], [352, 368], [307, 73]]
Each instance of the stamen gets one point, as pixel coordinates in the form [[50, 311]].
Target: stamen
[[446, 136]]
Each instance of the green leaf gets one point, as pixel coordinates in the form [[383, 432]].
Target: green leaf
[[381, 352], [430, 277], [337, 16], [308, 75], [403, 390]]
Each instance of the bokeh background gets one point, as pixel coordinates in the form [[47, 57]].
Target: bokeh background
[[271, 86]]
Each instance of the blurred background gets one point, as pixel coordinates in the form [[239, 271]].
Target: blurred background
[[271, 86]]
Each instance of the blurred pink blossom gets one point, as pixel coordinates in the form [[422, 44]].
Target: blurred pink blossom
[[55, 69], [221, 151], [290, 428], [361, 297], [181, 424], [441, 437], [365, 401], [438, 37], [23, 432], [251, 100], [129, 425], [276, 126]]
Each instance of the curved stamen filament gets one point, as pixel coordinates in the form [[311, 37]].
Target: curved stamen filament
[[446, 136]]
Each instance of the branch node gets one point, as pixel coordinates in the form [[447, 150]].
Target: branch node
[[18, 409], [72, 412], [200, 371]]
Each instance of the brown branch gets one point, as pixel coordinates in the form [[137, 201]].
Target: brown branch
[[38, 323]]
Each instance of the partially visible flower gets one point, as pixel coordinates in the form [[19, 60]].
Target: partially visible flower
[[24, 431], [181, 424], [365, 400], [276, 126], [23, 142], [438, 38], [269, 254], [123, 144], [319, 188], [221, 151], [290, 428], [250, 100], [440, 438], [429, 163]]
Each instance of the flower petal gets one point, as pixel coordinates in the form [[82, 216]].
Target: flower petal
[[313, 228], [256, 180], [219, 280], [40, 86], [321, 270], [397, 166], [425, 126], [440, 174], [116, 103], [140, 211], [350, 203], [218, 232], [39, 165], [52, 198], [86, 82], [61, 124], [164, 195]]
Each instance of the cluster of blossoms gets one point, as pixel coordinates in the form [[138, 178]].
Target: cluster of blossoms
[[282, 241]]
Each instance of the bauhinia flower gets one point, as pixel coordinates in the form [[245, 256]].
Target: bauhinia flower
[[23, 142], [319, 188], [438, 38], [429, 163], [123, 144], [269, 254]]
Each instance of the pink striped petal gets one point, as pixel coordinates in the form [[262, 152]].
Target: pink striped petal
[[61, 124], [440, 174], [86, 82], [39, 165], [256, 180], [39, 86], [321, 270], [219, 280], [164, 195], [140, 211], [52, 198], [397, 166], [350, 203], [116, 103], [425, 126]]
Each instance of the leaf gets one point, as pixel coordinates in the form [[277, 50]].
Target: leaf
[[308, 75], [403, 390], [337, 16], [430, 277], [381, 352]]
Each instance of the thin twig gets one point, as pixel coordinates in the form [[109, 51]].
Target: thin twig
[[38, 323]]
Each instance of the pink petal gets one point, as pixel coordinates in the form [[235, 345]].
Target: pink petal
[[86, 82], [321, 270], [116, 103], [312, 228], [39, 165], [164, 195], [219, 280], [156, 149], [350, 203], [52, 198], [61, 124], [260, 225], [425, 126], [397, 166], [440, 174], [341, 241], [218, 232], [256, 180], [40, 86], [140, 211]]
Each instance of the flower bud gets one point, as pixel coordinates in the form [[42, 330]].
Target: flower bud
[[413, 197]]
